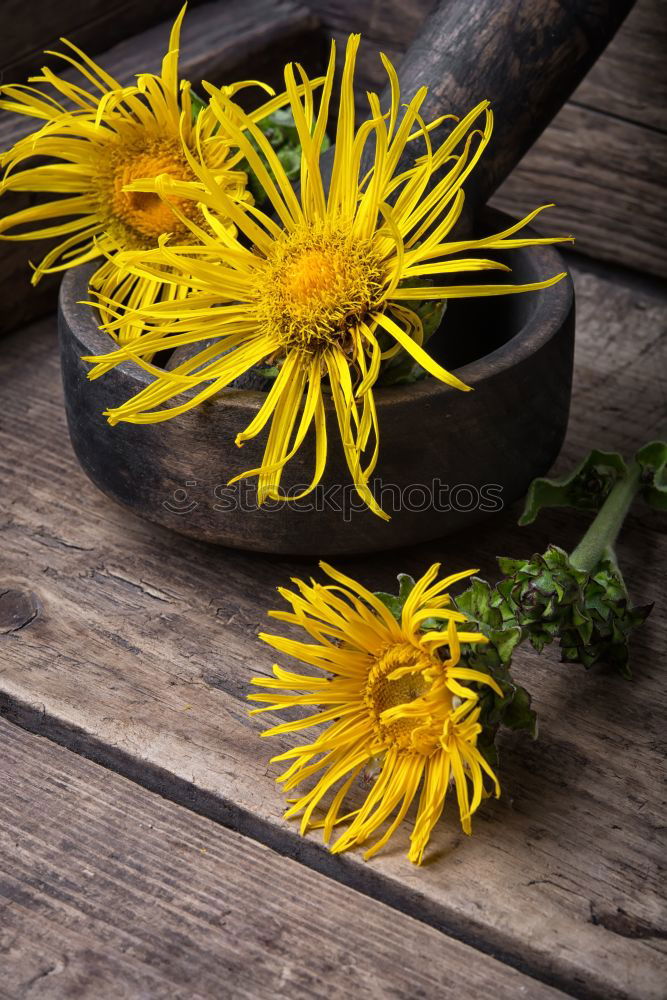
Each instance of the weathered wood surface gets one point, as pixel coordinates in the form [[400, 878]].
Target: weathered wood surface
[[607, 178], [628, 81], [603, 159], [123, 894], [29, 29], [525, 59], [221, 41], [144, 645]]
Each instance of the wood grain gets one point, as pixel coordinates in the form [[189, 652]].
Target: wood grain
[[123, 894], [525, 57], [220, 40], [94, 26], [604, 157], [630, 80], [385, 22], [607, 179], [142, 652], [225, 40]]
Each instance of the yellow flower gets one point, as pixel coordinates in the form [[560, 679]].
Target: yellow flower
[[314, 288], [98, 140], [392, 695]]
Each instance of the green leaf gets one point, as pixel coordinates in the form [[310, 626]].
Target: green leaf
[[392, 602], [509, 566], [406, 584], [475, 602], [653, 461], [430, 312], [512, 708], [290, 159], [281, 131], [281, 117], [506, 641], [405, 371], [584, 489], [198, 104], [519, 714], [590, 614], [489, 752], [395, 602]]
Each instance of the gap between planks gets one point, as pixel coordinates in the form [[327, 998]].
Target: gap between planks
[[122, 893], [365, 926], [610, 367]]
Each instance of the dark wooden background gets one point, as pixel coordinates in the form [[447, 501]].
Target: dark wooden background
[[603, 160], [125, 648]]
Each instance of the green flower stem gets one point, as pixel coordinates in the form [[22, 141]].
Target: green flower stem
[[600, 538]]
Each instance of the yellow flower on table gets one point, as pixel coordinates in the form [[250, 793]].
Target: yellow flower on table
[[324, 287], [96, 138], [388, 692]]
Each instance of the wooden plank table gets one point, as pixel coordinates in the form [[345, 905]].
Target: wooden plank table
[[134, 648], [603, 159], [129, 895]]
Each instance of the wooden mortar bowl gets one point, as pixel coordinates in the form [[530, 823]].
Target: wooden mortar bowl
[[447, 458]]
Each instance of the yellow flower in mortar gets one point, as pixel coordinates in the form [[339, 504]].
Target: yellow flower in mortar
[[97, 138], [313, 288], [389, 694]]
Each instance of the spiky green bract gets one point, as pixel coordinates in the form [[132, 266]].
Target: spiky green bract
[[589, 613]]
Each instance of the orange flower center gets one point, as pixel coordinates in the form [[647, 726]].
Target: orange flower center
[[146, 212], [313, 278], [407, 699], [320, 282]]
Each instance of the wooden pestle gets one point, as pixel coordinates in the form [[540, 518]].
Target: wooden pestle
[[525, 56]]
